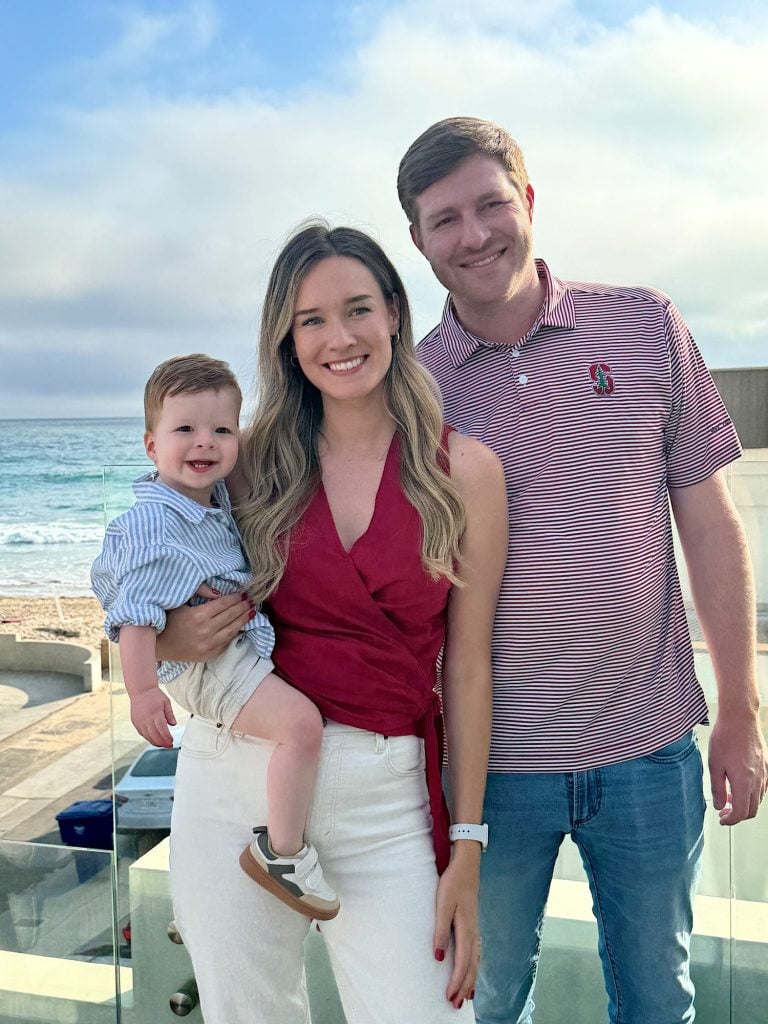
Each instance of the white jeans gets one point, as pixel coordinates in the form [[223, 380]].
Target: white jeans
[[371, 825]]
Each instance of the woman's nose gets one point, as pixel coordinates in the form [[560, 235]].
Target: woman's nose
[[340, 335]]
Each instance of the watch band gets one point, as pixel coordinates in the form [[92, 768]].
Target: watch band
[[464, 831]]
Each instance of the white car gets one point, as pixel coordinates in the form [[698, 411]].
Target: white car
[[144, 795]]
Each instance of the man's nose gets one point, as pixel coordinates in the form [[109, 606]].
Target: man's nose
[[475, 232]]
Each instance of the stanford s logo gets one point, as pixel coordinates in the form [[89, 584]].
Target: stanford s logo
[[602, 379]]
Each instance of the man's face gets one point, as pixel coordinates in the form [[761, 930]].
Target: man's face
[[474, 227]]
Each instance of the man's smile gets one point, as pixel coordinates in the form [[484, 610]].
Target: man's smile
[[485, 261]]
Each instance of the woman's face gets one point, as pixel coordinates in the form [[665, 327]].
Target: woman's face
[[342, 330]]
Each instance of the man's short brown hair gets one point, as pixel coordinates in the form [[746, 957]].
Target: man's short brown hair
[[186, 375], [441, 148]]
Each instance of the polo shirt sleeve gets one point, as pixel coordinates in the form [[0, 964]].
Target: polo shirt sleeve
[[700, 437]]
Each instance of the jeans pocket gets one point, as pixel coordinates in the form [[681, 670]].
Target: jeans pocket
[[204, 739], [404, 755], [677, 750]]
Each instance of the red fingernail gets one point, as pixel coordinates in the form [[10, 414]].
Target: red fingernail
[[216, 592], [440, 955], [460, 1004], [471, 994], [244, 597], [251, 614]]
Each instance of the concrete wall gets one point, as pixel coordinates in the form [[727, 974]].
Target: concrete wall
[[745, 393], [50, 656]]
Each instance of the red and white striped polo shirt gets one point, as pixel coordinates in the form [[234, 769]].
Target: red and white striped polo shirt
[[601, 407]]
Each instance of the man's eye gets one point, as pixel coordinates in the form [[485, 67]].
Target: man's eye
[[443, 221]]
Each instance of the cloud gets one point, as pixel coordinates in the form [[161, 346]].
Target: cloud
[[146, 36], [157, 219]]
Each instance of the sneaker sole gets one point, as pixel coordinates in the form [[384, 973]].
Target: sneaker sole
[[254, 870]]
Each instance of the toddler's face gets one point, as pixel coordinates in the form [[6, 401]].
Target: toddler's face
[[194, 441]]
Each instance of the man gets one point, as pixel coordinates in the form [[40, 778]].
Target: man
[[598, 404]]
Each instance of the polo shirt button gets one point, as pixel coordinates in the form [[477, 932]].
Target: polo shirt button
[[522, 379], [515, 353]]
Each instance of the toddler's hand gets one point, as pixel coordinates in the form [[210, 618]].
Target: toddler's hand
[[151, 714]]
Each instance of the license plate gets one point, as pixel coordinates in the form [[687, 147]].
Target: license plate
[[151, 805]]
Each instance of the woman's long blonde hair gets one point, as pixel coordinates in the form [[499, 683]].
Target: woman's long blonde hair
[[279, 450]]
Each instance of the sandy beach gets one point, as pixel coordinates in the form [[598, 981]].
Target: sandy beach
[[69, 619]]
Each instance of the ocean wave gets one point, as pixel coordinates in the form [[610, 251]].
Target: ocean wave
[[50, 533]]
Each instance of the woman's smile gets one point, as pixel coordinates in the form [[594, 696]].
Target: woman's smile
[[346, 365]]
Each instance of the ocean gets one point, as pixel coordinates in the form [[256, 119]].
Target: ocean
[[60, 480]]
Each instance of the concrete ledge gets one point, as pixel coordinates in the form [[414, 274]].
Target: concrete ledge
[[51, 656], [44, 988]]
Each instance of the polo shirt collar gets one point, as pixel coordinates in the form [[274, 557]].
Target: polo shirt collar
[[149, 488], [557, 311]]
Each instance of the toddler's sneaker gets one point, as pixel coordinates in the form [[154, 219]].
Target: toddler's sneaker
[[297, 881]]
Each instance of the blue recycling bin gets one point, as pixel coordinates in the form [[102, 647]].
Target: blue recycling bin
[[87, 823]]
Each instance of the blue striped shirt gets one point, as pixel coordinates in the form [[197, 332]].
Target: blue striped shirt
[[156, 555]]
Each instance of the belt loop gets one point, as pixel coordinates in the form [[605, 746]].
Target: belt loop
[[380, 741]]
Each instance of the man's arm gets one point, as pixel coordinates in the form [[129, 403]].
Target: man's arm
[[722, 586]]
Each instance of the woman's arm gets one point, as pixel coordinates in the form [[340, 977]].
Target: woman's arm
[[479, 477], [202, 632]]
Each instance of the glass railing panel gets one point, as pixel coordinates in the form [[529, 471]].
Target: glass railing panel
[[749, 487], [60, 950], [161, 969]]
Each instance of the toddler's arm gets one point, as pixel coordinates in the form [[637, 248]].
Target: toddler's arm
[[151, 711]]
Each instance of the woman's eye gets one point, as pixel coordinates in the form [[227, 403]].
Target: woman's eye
[[360, 310], [310, 321]]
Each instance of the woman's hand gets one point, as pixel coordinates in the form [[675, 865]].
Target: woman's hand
[[456, 912], [201, 632]]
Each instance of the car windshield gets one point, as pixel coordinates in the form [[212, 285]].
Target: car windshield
[[156, 762]]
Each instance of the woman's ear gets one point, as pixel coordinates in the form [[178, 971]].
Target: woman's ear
[[394, 314]]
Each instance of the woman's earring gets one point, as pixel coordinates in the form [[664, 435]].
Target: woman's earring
[[395, 339]]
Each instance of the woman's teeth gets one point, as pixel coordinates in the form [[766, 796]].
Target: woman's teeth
[[348, 364]]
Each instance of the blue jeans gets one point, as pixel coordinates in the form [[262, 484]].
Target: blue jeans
[[639, 829]]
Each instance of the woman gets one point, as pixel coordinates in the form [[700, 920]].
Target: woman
[[375, 534]]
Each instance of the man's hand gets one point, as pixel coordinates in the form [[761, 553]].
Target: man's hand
[[151, 714], [738, 766], [202, 632]]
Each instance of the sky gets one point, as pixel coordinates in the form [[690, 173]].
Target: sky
[[154, 156]]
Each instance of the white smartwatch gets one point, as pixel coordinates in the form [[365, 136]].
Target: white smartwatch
[[477, 832]]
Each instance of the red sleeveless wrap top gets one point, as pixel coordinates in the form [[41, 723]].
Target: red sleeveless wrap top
[[359, 632]]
